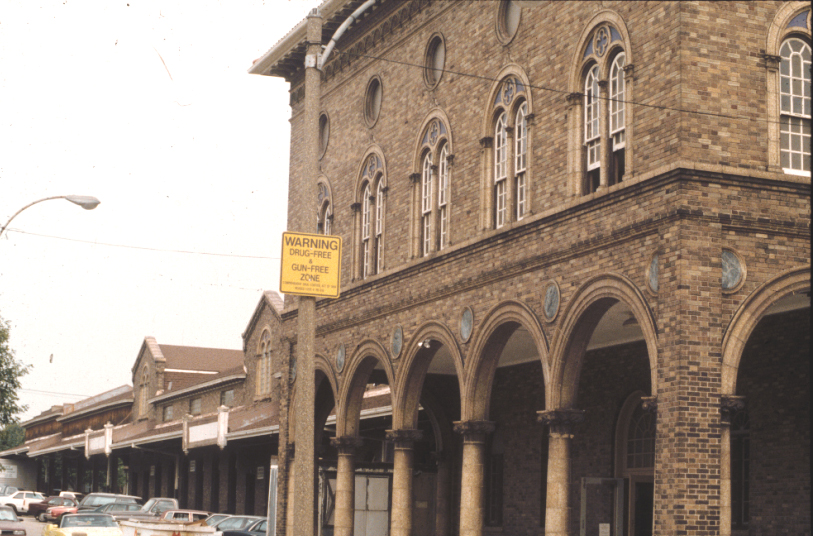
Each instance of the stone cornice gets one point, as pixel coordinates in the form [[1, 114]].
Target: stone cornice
[[730, 405]]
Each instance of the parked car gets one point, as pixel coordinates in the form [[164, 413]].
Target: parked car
[[257, 528], [75, 495], [237, 523], [185, 516], [7, 490], [116, 508], [151, 510], [20, 500], [92, 500], [55, 513], [214, 519], [10, 524], [38, 509], [85, 524]]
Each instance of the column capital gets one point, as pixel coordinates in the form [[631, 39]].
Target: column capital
[[487, 142], [771, 61], [574, 99], [415, 177], [474, 427], [650, 404], [403, 438], [355, 207], [603, 84], [291, 450], [346, 444], [729, 406], [560, 421]]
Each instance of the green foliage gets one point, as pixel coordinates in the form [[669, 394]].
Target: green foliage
[[11, 371], [11, 436]]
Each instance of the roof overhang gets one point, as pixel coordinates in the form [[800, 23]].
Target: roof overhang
[[288, 55], [198, 387]]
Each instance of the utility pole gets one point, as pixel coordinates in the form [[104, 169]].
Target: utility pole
[[304, 457]]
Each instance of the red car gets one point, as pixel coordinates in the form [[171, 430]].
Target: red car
[[54, 513], [38, 509]]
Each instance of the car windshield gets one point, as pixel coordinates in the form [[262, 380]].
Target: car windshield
[[7, 515], [236, 523], [88, 521], [215, 519]]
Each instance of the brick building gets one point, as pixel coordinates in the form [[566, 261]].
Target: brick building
[[576, 255]]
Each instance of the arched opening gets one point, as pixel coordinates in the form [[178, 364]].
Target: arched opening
[[507, 389], [769, 428], [429, 402], [607, 377]]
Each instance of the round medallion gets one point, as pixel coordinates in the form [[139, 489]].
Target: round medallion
[[732, 270], [508, 91], [652, 278], [466, 323], [551, 306], [397, 341], [293, 369], [340, 358]]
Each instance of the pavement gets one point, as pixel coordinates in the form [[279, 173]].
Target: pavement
[[32, 526]]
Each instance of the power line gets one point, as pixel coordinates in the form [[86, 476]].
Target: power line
[[143, 248], [562, 92], [52, 393]]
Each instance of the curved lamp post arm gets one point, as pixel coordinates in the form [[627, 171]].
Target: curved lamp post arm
[[84, 201]]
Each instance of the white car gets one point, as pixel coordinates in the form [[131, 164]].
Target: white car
[[19, 501]]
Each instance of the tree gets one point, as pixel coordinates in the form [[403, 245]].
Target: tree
[[11, 371], [11, 436]]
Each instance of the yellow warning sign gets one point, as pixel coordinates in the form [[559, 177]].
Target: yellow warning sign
[[311, 265]]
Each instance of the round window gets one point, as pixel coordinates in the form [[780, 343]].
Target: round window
[[372, 101], [435, 61], [508, 20], [324, 133]]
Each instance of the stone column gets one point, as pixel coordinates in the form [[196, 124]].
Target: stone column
[[401, 522], [415, 181], [487, 187], [729, 406], [472, 485], [344, 512], [557, 511], [772, 63], [575, 151]]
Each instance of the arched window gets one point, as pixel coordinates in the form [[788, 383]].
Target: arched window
[[521, 159], [603, 84], [511, 118], [145, 392], [432, 228], [794, 106], [365, 229], [263, 386], [324, 215], [371, 226]]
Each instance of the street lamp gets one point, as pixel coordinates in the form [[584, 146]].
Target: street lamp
[[85, 201]]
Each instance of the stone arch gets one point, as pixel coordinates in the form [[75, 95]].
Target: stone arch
[[748, 315], [406, 392], [776, 32], [324, 378], [509, 70], [321, 365], [351, 392], [578, 321], [441, 116], [604, 16], [479, 372], [371, 150]]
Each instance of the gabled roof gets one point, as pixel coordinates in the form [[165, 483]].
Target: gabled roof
[[269, 299], [193, 358], [179, 384], [152, 345]]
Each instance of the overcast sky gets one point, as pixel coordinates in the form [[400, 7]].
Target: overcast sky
[[148, 106]]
